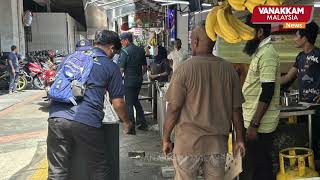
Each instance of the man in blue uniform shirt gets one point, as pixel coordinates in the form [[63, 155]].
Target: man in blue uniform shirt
[[133, 64], [13, 67], [80, 126]]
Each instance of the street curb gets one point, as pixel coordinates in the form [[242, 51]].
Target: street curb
[[20, 104]]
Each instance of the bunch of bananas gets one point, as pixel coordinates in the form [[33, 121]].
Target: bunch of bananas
[[152, 42], [221, 22], [241, 5]]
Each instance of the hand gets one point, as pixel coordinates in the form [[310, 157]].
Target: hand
[[252, 134], [239, 146], [152, 77], [127, 127], [13, 71], [167, 147], [317, 99]]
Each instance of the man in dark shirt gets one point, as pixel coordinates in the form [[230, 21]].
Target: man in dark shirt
[[160, 69], [13, 67], [307, 70], [133, 64], [79, 126], [307, 65]]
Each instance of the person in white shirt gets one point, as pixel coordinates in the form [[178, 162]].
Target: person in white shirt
[[177, 55]]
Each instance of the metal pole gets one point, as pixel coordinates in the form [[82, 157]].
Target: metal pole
[[310, 130]]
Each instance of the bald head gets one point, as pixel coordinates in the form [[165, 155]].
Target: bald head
[[201, 43]]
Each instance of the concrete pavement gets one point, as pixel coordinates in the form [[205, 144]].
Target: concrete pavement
[[23, 130]]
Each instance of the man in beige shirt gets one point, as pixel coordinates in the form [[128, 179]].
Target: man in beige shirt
[[177, 56], [204, 100]]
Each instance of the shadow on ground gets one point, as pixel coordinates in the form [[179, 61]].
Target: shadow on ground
[[44, 106]]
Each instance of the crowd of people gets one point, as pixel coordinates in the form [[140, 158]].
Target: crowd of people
[[204, 101]]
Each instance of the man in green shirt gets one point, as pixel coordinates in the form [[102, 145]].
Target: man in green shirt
[[261, 108]]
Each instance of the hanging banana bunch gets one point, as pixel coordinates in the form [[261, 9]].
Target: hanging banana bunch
[[241, 5], [221, 22]]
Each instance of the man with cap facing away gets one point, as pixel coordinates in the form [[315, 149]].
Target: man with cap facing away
[[83, 45], [79, 127], [133, 64]]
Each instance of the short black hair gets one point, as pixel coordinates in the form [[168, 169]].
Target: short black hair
[[13, 47], [130, 38], [106, 37], [310, 32], [265, 27], [178, 39]]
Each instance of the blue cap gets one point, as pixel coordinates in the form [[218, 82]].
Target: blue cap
[[126, 35], [83, 45]]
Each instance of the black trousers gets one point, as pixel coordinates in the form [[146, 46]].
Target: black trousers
[[64, 137], [257, 164], [132, 100]]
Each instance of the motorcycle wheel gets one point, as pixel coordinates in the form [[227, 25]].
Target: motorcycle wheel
[[22, 83], [38, 83]]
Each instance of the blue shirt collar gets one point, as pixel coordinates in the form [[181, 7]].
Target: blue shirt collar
[[96, 49]]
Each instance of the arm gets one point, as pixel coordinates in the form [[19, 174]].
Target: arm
[[123, 60], [11, 65], [263, 105], [121, 110], [237, 122], [165, 68], [176, 95], [116, 93], [172, 115], [290, 76], [144, 62]]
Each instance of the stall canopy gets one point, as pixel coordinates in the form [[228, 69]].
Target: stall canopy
[[121, 8]]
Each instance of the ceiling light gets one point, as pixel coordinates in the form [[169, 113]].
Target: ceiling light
[[168, 4], [173, 1], [107, 3], [206, 5], [316, 4], [198, 12]]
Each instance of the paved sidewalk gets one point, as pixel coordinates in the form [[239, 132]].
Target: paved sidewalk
[[148, 167], [9, 100]]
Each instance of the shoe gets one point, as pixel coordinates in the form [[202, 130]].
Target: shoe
[[143, 127], [132, 131], [10, 92], [15, 92]]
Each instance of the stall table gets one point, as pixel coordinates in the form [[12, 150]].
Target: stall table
[[301, 111]]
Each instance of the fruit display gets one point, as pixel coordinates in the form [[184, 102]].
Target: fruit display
[[221, 22], [241, 5]]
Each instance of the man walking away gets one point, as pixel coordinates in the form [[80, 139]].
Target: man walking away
[[13, 67], [204, 99], [177, 55], [133, 64], [79, 126], [261, 109]]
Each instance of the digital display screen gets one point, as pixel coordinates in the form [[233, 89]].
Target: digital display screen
[[171, 24]]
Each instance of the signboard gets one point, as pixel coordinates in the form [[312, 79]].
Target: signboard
[[292, 17]]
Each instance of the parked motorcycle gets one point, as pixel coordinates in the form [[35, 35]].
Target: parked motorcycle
[[5, 78], [42, 74]]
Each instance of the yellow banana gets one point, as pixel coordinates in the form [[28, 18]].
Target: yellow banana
[[250, 4], [211, 21], [237, 5], [224, 25], [222, 35], [274, 2], [245, 32]]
